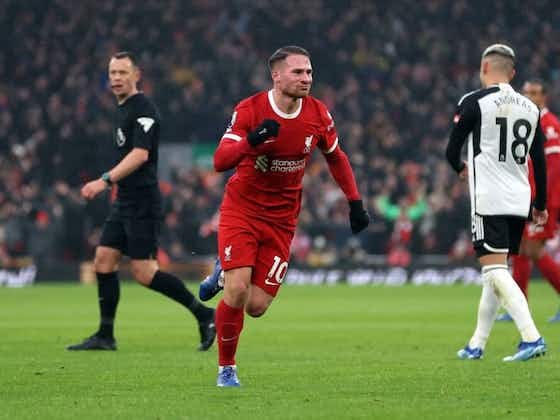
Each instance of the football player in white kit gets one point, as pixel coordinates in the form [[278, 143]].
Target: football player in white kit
[[501, 127]]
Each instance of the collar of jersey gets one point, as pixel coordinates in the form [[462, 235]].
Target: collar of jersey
[[502, 86], [279, 112]]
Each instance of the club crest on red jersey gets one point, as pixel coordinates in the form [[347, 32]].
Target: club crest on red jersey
[[308, 143], [227, 253]]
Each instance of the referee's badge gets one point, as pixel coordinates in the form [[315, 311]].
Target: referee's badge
[[121, 139]]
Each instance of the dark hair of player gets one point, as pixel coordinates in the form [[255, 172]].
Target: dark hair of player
[[281, 54], [540, 82]]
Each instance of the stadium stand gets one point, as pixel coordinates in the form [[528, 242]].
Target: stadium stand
[[391, 74]]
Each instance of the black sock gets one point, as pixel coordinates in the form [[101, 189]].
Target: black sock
[[172, 287], [108, 291]]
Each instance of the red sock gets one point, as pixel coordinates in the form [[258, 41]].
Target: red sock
[[550, 271], [229, 323], [521, 266]]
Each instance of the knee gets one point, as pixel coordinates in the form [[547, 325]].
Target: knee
[[142, 275], [105, 262], [238, 289], [256, 311], [534, 253], [256, 308]]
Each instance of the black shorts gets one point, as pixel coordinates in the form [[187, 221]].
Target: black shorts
[[497, 234], [134, 233]]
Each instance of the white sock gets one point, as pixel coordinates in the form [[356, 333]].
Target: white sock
[[512, 299], [487, 309]]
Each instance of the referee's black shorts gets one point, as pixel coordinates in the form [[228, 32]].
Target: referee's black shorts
[[133, 228], [497, 234]]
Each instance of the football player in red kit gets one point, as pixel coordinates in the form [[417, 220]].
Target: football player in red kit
[[534, 237], [269, 142]]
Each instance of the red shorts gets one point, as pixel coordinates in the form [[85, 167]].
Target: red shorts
[[250, 242], [548, 231]]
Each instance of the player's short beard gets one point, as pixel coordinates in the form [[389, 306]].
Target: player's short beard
[[295, 94]]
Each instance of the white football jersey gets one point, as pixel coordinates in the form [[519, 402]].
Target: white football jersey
[[498, 148]]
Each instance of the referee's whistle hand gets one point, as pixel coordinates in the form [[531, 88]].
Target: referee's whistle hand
[[92, 188]]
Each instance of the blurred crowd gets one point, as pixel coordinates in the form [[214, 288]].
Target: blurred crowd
[[390, 72]]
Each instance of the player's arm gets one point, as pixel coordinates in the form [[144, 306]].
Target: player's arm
[[539, 169], [239, 139], [341, 171], [230, 152], [464, 121]]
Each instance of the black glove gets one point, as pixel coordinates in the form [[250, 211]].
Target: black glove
[[359, 217], [267, 129]]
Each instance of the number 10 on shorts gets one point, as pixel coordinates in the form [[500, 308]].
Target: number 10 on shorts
[[277, 271]]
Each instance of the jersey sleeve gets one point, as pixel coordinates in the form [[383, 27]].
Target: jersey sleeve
[[464, 120], [539, 168], [329, 138], [551, 127], [233, 144], [240, 124], [145, 123]]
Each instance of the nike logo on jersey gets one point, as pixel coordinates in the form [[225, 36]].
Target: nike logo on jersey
[[269, 141], [271, 283], [146, 123]]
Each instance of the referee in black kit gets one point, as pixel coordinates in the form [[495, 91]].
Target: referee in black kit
[[134, 221]]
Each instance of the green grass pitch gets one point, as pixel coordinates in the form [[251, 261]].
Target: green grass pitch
[[319, 353]]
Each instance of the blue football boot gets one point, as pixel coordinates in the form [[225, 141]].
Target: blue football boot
[[555, 318], [212, 284], [227, 376], [505, 317], [467, 353], [528, 350]]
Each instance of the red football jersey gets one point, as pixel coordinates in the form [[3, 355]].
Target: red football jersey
[[551, 129], [275, 195]]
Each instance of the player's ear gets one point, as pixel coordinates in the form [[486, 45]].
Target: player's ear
[[137, 74], [512, 74], [274, 74]]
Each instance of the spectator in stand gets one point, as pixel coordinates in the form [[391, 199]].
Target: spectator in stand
[[393, 97]]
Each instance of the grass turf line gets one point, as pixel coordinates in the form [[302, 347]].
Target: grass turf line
[[321, 352]]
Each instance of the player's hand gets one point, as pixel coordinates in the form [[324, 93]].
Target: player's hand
[[359, 217], [92, 188], [261, 163], [539, 216], [266, 129], [464, 174]]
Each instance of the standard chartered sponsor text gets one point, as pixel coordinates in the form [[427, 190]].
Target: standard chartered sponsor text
[[287, 165]]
